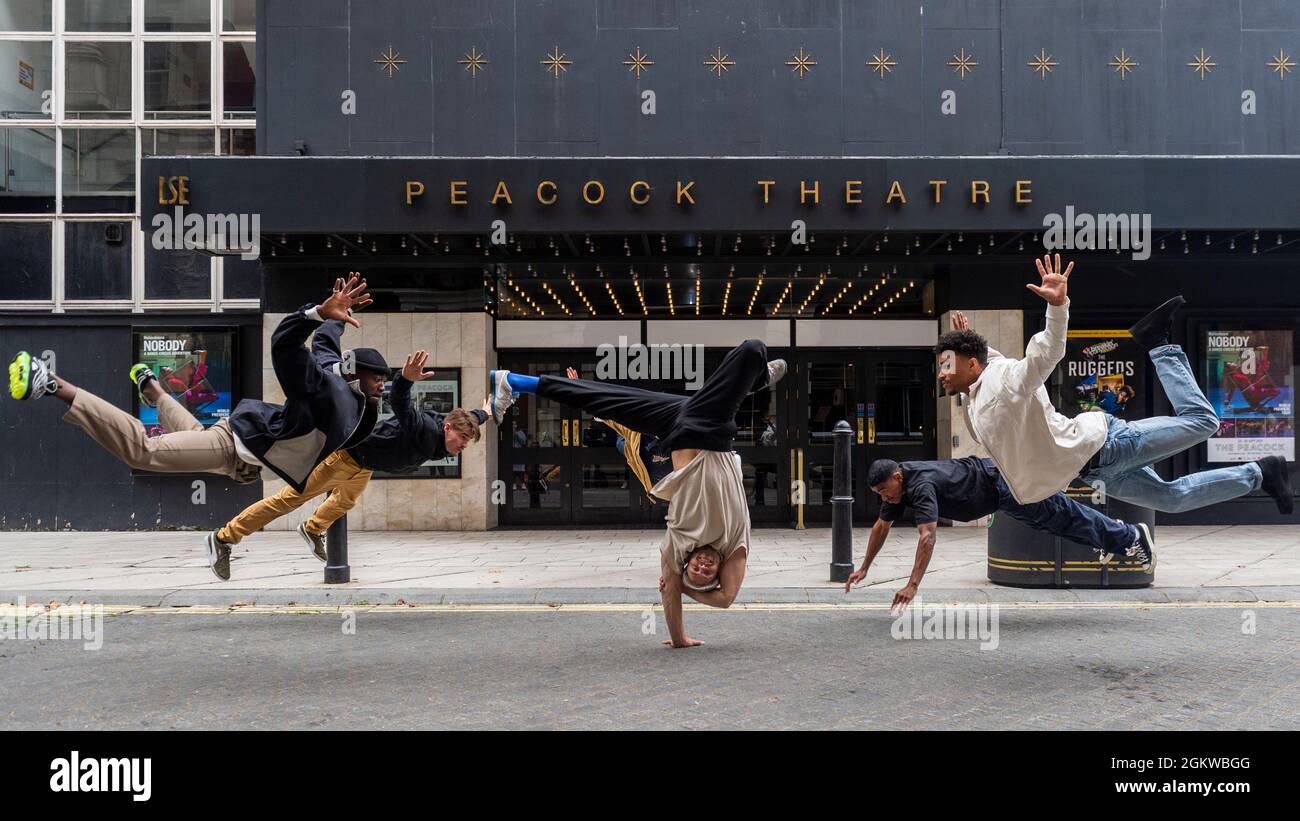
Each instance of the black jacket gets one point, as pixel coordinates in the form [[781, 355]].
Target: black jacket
[[322, 412], [404, 442]]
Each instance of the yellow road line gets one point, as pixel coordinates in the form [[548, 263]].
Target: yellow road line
[[9, 611]]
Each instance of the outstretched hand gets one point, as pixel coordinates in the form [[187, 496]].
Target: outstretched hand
[[346, 295], [960, 322], [571, 373], [855, 578], [687, 641], [1054, 279], [413, 370]]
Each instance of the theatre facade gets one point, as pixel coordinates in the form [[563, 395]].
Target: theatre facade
[[631, 189]]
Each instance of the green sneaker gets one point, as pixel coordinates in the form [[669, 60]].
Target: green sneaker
[[140, 375], [30, 377]]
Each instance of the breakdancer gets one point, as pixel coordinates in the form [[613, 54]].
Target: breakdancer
[[398, 445], [1040, 451], [966, 489], [639, 451], [324, 410], [707, 540]]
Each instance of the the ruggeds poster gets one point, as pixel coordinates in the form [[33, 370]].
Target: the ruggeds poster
[[195, 367], [441, 394], [1102, 370], [1250, 383]]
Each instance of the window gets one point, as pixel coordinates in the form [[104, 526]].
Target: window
[[175, 142], [27, 96], [176, 274], [241, 278], [238, 142], [177, 80], [238, 79], [26, 15], [27, 260], [177, 15], [97, 83], [97, 15], [27, 160], [97, 260], [238, 15], [98, 161]]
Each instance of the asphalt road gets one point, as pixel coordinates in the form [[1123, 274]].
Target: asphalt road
[[1131, 667]]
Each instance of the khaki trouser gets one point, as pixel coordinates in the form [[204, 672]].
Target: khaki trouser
[[339, 474], [189, 448]]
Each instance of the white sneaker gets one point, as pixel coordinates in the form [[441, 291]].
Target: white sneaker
[[776, 371], [502, 396]]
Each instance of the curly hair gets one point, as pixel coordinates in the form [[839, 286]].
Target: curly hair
[[964, 344]]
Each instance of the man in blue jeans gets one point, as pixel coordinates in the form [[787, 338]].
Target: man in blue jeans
[[966, 489], [1040, 451]]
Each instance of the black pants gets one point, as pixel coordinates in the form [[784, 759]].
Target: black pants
[[706, 419], [1062, 516]]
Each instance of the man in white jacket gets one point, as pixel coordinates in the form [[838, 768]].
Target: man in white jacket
[[1040, 451]]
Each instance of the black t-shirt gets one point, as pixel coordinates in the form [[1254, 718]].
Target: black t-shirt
[[957, 489]]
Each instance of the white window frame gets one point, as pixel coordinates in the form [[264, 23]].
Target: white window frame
[[214, 122]]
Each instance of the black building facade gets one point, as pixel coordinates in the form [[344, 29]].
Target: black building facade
[[524, 182]]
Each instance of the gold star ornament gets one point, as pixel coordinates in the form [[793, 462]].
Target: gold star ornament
[[1281, 64], [1202, 65], [390, 61], [474, 62], [1123, 64], [1042, 63], [556, 62], [963, 62], [638, 62], [801, 62], [882, 63], [719, 63]]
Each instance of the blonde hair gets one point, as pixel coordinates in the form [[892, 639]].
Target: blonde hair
[[464, 423]]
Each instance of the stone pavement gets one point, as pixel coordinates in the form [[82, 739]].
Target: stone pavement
[[1240, 563]]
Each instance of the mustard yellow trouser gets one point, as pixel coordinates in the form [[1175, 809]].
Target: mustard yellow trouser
[[340, 474]]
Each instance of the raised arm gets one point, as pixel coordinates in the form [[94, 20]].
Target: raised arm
[[296, 368], [1047, 347], [326, 344]]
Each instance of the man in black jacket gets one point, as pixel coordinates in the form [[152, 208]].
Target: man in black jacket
[[324, 410], [397, 445]]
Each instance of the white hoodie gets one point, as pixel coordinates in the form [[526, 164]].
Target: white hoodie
[[1038, 450]]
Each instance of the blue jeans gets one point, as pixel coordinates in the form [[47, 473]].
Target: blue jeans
[[1131, 448], [1062, 516]]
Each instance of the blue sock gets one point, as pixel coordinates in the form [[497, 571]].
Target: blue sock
[[519, 383]]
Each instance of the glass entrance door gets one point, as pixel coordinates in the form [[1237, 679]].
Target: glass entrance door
[[886, 396]]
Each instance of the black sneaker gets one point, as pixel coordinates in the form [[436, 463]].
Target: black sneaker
[[1143, 549], [218, 556], [30, 377], [316, 541], [1156, 328], [1277, 483]]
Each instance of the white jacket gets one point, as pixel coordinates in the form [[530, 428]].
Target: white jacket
[[1038, 450]]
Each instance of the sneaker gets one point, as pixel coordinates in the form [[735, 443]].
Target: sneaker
[[30, 377], [502, 396], [1156, 328], [316, 541], [218, 556], [1277, 483], [775, 371], [1143, 549], [140, 375]]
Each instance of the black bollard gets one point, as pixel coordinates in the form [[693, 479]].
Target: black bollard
[[336, 553], [842, 504]]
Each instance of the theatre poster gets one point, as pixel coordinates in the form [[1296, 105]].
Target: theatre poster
[[1249, 381]]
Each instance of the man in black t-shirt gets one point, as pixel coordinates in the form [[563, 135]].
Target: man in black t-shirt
[[966, 489]]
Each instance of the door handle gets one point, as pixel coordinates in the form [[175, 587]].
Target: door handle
[[577, 433], [564, 432]]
